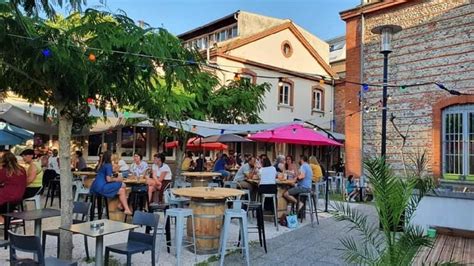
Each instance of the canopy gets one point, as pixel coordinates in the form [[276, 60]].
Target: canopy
[[30, 116], [12, 135], [195, 144], [225, 138], [294, 134]]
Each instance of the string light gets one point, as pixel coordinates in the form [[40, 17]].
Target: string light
[[403, 88], [161, 123], [248, 134], [294, 130], [194, 129], [236, 77], [321, 82], [222, 131], [176, 130], [90, 100], [126, 114], [365, 87], [92, 57], [46, 52]]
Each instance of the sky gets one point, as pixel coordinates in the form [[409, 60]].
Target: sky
[[320, 17]]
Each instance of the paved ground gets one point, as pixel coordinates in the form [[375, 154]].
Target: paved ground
[[302, 246]]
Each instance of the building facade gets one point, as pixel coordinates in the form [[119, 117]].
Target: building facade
[[435, 45], [337, 61], [275, 51]]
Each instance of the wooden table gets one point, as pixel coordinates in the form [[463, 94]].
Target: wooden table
[[200, 179], [89, 177], [33, 215], [109, 227], [208, 206], [134, 182]]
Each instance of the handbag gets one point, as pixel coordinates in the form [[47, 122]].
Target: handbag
[[292, 220]]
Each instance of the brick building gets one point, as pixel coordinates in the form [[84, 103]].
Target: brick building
[[435, 45]]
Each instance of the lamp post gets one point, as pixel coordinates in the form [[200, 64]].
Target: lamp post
[[386, 32]]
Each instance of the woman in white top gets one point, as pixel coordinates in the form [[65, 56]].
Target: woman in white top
[[138, 167], [161, 176], [268, 173]]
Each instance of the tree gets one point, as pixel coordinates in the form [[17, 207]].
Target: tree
[[99, 58], [34, 7], [396, 201]]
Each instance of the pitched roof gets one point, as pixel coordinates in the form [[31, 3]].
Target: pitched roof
[[287, 25]]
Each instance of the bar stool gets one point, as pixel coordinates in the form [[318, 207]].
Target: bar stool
[[257, 207], [98, 199], [311, 198], [180, 214], [161, 207], [54, 188], [235, 213], [270, 191], [172, 200]]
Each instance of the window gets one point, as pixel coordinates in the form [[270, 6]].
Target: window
[[458, 142], [248, 75], [317, 99], [95, 144], [284, 94], [286, 49], [127, 141], [140, 140]]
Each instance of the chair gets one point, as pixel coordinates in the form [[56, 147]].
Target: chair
[[54, 188], [161, 207], [11, 207], [172, 200], [180, 214], [98, 199], [36, 199], [181, 184], [80, 209], [80, 190], [270, 191], [32, 244], [236, 212], [230, 184], [137, 242]]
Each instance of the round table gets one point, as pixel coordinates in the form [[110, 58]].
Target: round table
[[89, 177], [200, 179], [208, 206]]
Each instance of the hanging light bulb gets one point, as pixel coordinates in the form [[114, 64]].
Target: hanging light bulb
[[46, 52], [222, 131], [248, 134], [90, 100], [161, 123], [126, 114], [365, 87], [194, 129], [280, 82], [92, 57], [236, 77], [403, 88], [176, 130], [294, 130], [321, 82], [390, 97]]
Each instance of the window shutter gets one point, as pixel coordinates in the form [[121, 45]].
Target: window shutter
[[292, 90], [313, 99]]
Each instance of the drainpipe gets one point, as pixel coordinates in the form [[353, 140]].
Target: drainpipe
[[362, 113]]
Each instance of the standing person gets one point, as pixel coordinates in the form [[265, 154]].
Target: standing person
[[34, 174], [220, 166], [80, 161], [280, 164], [53, 162], [247, 171], [316, 168], [107, 185], [160, 176], [12, 182], [138, 167], [303, 182]]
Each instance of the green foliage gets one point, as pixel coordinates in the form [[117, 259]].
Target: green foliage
[[34, 7], [395, 201], [238, 102]]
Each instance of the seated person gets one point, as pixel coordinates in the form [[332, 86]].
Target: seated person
[[107, 185], [80, 163], [268, 173], [12, 182], [316, 168], [160, 176], [350, 188], [119, 165], [200, 163], [34, 174], [247, 171], [303, 182], [220, 166], [138, 167], [188, 163]]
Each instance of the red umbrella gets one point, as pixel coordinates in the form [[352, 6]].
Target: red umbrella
[[294, 134], [194, 144]]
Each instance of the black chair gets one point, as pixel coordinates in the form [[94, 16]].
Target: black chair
[[9, 224], [31, 244], [161, 207], [54, 189], [80, 209], [137, 242], [257, 207], [138, 199]]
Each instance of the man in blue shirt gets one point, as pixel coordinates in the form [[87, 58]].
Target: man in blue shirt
[[220, 166], [303, 182]]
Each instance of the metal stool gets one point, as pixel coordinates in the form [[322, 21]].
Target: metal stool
[[257, 207], [172, 200], [98, 199], [269, 191], [161, 207], [235, 213], [180, 214], [54, 186], [311, 198]]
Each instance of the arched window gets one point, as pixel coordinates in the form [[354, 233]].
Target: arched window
[[285, 93], [248, 74], [317, 96], [458, 142]]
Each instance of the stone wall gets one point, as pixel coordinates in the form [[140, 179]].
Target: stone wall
[[435, 45]]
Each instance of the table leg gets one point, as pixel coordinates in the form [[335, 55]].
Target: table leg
[[6, 226], [38, 228], [99, 251], [168, 233]]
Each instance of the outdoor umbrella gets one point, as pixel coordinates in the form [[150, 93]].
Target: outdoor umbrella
[[11, 135], [194, 144], [294, 134], [225, 138]]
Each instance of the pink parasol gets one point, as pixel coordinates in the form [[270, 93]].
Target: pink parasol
[[294, 134]]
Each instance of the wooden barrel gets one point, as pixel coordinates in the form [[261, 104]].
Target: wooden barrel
[[282, 203], [208, 219]]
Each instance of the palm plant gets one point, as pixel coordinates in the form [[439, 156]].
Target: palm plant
[[396, 200]]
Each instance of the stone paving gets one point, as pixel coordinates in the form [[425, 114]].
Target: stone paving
[[302, 246]]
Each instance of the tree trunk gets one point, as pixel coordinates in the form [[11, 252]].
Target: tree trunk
[[65, 126]]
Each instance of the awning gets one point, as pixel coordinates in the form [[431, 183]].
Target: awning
[[30, 117]]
